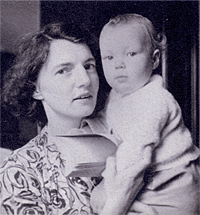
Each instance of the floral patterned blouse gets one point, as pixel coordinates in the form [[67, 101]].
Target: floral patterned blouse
[[32, 182]]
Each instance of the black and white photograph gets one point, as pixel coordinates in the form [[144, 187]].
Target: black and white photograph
[[99, 107]]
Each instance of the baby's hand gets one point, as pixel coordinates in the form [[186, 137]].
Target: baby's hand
[[116, 192], [98, 198]]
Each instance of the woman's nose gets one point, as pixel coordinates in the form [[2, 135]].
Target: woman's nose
[[82, 77]]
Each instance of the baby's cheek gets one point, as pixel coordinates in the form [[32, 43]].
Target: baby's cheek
[[98, 198]]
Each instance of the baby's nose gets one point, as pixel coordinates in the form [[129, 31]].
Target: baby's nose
[[120, 65]]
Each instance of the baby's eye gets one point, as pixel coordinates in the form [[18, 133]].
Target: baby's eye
[[108, 57], [90, 66], [131, 54]]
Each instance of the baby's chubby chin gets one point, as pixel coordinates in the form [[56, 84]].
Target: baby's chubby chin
[[122, 88]]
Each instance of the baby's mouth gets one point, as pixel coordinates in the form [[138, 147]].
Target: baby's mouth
[[121, 78]]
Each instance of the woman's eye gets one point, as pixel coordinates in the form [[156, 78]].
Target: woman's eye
[[90, 66], [62, 71], [131, 54]]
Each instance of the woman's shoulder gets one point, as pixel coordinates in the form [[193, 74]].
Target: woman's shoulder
[[29, 152], [38, 142], [4, 153]]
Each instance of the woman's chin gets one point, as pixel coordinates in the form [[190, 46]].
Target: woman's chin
[[85, 111]]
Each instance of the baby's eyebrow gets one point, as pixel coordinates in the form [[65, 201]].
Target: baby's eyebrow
[[107, 52]]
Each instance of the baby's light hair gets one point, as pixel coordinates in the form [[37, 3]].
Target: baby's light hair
[[158, 40]]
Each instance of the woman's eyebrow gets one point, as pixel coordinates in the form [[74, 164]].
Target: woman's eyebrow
[[62, 65], [90, 59]]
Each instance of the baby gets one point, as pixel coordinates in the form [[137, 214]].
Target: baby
[[139, 111]]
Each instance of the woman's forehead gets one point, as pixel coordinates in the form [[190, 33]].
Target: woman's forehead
[[64, 46], [65, 51]]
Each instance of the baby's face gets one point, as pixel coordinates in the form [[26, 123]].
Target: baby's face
[[126, 59]]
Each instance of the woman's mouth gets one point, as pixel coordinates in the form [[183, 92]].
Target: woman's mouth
[[83, 96]]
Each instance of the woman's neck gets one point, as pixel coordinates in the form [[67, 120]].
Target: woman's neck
[[62, 126]]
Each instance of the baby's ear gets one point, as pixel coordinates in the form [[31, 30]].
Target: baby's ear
[[156, 58], [37, 95]]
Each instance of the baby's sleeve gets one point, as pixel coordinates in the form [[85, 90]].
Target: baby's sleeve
[[174, 191], [140, 124]]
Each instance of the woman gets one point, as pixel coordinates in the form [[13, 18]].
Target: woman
[[54, 81]]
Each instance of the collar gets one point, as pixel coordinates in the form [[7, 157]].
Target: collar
[[88, 126]]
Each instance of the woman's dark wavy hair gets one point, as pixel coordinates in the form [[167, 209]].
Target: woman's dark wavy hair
[[19, 81]]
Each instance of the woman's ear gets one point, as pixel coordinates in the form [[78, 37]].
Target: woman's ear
[[37, 95], [156, 58]]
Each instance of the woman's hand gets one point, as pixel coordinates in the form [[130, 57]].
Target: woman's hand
[[139, 208], [122, 187]]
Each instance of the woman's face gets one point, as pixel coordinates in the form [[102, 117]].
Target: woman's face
[[68, 82]]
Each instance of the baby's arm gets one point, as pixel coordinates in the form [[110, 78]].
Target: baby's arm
[[134, 126], [138, 126]]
